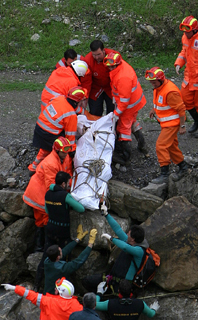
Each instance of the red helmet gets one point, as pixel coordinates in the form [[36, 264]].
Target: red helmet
[[188, 24], [62, 144], [77, 94], [155, 73], [112, 59]]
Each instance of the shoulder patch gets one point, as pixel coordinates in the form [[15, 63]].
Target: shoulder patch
[[51, 110], [160, 99]]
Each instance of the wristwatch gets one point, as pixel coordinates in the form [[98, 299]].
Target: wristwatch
[[183, 126]]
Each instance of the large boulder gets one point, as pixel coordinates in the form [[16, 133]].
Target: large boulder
[[172, 231], [6, 162], [128, 201], [15, 241]]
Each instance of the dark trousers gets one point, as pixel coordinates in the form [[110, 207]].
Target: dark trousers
[[96, 106]]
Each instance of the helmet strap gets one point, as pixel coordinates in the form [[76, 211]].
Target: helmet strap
[[73, 103]]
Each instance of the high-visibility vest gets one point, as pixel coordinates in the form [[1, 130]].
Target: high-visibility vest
[[189, 57], [167, 116], [59, 83], [57, 116]]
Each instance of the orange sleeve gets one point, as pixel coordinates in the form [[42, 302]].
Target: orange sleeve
[[175, 101]]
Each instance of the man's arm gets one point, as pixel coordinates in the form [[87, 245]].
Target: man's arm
[[68, 248], [135, 251], [74, 204], [116, 228], [148, 311], [102, 306], [175, 101]]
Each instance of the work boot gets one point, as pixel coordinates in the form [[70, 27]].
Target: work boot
[[163, 178], [194, 115], [122, 157], [141, 142], [183, 170]]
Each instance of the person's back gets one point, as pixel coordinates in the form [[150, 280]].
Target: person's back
[[88, 312]]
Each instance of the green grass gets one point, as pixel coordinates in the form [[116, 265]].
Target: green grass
[[118, 19], [18, 86]]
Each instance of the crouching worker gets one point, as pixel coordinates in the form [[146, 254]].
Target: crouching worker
[[124, 306], [52, 307], [55, 265], [57, 205]]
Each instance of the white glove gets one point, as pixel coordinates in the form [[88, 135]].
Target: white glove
[[106, 235], [177, 68], [155, 306], [8, 286], [115, 118], [102, 287], [103, 208]]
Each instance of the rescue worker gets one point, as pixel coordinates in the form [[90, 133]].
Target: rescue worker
[[88, 312], [52, 307], [133, 244], [61, 80], [70, 55], [97, 81], [189, 57], [169, 109], [34, 195], [58, 118], [55, 264], [57, 205], [129, 99], [124, 306]]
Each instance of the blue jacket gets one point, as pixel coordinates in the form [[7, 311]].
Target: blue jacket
[[86, 314]]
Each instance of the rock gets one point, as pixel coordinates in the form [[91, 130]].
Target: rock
[[66, 20], [172, 231], [11, 182], [74, 42], [32, 262], [35, 37], [192, 161], [151, 30], [12, 203], [46, 21], [1, 226], [6, 162], [104, 38], [159, 190], [128, 201], [15, 240], [7, 218]]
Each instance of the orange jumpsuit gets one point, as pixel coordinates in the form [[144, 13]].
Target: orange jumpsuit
[[129, 98], [40, 182], [52, 307], [59, 83], [61, 62], [169, 107], [189, 57]]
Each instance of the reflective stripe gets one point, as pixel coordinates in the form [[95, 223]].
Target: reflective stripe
[[61, 224], [194, 48], [65, 115], [162, 108], [43, 104], [115, 93], [125, 136], [56, 94], [72, 142], [184, 44], [185, 82], [134, 88], [175, 116], [78, 110], [71, 133], [34, 203], [34, 166], [118, 111], [61, 63], [195, 85], [53, 131], [78, 56], [54, 122], [124, 99], [26, 293], [38, 302], [135, 103], [180, 57]]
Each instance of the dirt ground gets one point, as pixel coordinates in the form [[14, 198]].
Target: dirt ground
[[19, 112]]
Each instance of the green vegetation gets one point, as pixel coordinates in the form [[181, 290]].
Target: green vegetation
[[122, 21], [18, 85]]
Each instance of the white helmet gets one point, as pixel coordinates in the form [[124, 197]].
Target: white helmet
[[65, 288], [80, 67]]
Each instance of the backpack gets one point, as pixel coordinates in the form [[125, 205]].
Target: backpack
[[147, 268]]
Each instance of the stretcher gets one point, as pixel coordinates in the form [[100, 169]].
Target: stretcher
[[92, 161]]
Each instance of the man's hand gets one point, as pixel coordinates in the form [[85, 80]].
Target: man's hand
[[8, 286], [152, 113], [177, 68], [83, 103], [103, 208], [155, 306], [102, 287], [182, 130], [107, 236], [80, 233], [92, 236]]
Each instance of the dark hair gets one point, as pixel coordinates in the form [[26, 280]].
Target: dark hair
[[125, 288], [89, 300], [137, 232], [61, 177], [96, 44], [53, 252], [70, 53]]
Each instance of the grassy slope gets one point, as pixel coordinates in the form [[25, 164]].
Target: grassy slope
[[118, 19]]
